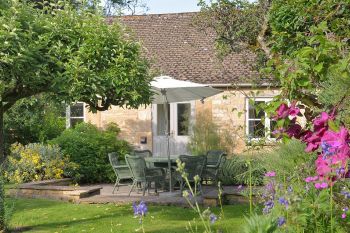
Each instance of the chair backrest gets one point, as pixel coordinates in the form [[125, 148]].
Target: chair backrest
[[142, 153], [214, 157], [137, 167], [193, 165], [113, 158], [121, 171]]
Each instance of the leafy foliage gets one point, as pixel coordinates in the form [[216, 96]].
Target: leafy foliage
[[33, 120], [235, 171], [206, 135], [285, 159], [88, 146], [35, 162]]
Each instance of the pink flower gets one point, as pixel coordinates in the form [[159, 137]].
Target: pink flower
[[293, 111], [270, 174], [282, 111], [337, 141], [321, 122], [322, 185], [343, 216], [311, 179], [294, 130]]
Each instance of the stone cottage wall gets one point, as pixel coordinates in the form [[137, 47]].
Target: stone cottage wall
[[136, 124]]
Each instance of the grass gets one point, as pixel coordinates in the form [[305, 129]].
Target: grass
[[34, 215]]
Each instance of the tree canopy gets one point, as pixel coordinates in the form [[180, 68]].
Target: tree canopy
[[71, 54], [305, 44]]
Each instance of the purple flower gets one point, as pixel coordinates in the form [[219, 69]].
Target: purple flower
[[212, 218], [343, 216], [345, 209], [281, 221], [268, 206], [140, 209], [283, 201], [270, 174]]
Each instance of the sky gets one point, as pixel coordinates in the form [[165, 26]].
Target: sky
[[171, 6]]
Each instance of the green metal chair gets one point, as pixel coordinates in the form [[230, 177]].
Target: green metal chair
[[194, 165], [122, 172], [143, 175], [215, 161]]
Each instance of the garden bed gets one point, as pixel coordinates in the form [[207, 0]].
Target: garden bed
[[59, 189]]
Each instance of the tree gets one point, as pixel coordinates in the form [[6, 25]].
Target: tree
[[32, 120], [304, 43], [71, 55], [119, 7]]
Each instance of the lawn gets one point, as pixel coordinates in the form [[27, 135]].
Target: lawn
[[33, 215]]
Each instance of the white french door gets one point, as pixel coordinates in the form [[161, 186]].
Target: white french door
[[181, 116]]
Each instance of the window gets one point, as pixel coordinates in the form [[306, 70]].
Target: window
[[75, 114], [258, 124], [183, 119], [161, 129]]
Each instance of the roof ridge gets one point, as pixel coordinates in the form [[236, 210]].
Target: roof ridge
[[172, 15]]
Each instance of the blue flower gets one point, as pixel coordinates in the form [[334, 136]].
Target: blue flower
[[268, 206], [281, 221], [283, 201], [140, 209], [212, 218]]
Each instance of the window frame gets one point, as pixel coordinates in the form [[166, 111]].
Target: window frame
[[69, 117], [267, 123]]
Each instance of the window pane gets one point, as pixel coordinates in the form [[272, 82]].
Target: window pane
[[252, 111], [77, 110], [256, 129], [161, 119], [183, 119], [75, 121]]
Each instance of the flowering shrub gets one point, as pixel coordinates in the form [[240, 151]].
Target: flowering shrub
[[35, 162], [313, 198]]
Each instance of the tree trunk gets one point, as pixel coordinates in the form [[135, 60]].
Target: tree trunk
[[2, 159]]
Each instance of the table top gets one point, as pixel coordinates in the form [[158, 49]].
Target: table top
[[173, 158]]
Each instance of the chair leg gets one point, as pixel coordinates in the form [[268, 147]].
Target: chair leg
[[116, 185], [132, 186], [144, 189]]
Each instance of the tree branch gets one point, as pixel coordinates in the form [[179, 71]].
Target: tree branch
[[261, 37]]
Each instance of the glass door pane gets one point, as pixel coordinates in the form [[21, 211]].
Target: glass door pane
[[183, 119], [161, 119]]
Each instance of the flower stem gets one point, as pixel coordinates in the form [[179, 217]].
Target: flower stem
[[250, 189], [331, 204]]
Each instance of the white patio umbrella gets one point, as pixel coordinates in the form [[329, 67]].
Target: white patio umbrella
[[169, 90]]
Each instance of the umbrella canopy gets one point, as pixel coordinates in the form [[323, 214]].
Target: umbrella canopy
[[168, 90], [179, 91]]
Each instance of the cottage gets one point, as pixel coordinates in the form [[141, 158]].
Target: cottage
[[178, 49]]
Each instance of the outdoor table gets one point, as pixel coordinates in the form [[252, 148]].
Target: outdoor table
[[163, 162]]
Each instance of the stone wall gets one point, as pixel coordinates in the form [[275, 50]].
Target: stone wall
[[223, 108]]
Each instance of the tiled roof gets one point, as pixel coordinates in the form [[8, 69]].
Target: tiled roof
[[180, 50]]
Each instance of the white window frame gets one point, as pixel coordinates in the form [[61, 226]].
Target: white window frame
[[267, 119], [69, 117]]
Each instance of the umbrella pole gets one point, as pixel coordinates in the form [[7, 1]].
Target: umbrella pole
[[167, 134]]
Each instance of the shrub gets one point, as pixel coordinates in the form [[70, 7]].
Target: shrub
[[206, 135], [35, 162], [88, 147]]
